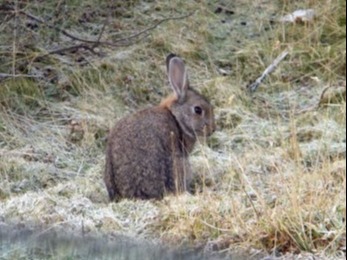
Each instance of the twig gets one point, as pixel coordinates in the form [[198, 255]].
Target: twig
[[100, 34], [98, 42], [253, 87], [67, 49], [153, 27], [90, 45], [133, 42], [77, 47], [64, 32], [7, 18], [4, 76], [5, 7]]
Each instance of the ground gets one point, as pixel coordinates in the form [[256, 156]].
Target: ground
[[271, 180]]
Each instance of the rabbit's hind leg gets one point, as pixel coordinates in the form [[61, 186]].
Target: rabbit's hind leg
[[110, 181]]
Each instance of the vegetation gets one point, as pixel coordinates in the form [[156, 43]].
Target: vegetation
[[272, 179]]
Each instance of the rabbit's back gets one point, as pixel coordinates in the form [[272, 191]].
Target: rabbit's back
[[140, 155], [147, 152]]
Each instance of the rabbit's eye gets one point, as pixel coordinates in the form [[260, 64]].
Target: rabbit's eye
[[198, 110]]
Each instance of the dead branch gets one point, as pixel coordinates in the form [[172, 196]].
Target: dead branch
[[253, 87], [153, 27], [64, 32], [100, 34], [124, 44], [5, 75], [98, 42], [77, 47], [83, 46], [6, 19], [68, 49], [87, 44], [6, 6]]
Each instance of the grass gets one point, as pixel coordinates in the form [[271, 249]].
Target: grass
[[272, 178]]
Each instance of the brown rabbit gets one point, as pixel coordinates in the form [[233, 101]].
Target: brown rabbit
[[147, 152]]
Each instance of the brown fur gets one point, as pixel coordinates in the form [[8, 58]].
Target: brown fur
[[145, 177], [167, 102], [147, 152]]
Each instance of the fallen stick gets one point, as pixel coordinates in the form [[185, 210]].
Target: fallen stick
[[5, 75], [253, 87], [98, 42]]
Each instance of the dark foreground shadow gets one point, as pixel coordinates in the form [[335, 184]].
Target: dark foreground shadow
[[22, 243]]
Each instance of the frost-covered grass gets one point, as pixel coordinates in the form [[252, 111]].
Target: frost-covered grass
[[271, 179]]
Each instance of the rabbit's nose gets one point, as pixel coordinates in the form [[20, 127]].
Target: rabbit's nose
[[211, 125], [214, 127], [209, 128]]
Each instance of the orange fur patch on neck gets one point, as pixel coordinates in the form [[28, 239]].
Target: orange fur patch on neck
[[167, 102]]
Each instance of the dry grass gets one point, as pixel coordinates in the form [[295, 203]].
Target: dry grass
[[273, 177]]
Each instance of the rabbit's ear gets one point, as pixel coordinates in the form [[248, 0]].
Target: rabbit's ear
[[178, 77]]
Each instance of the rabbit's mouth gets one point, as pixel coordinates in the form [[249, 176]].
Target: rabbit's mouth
[[206, 131]]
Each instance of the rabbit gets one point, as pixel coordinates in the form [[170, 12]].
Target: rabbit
[[147, 152]]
